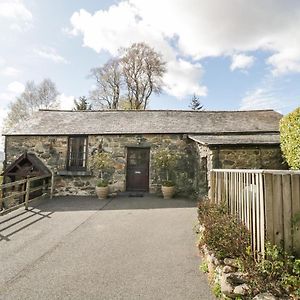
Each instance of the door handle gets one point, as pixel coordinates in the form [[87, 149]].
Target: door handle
[[137, 172]]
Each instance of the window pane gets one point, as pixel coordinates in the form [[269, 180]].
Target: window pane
[[77, 153]]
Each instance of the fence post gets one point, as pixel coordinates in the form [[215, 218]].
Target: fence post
[[27, 192], [52, 184], [1, 197], [295, 179], [212, 187], [44, 186]]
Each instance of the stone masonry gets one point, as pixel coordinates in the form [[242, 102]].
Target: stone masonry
[[52, 150], [236, 157]]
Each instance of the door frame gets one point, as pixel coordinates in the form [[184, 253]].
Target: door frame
[[126, 175]]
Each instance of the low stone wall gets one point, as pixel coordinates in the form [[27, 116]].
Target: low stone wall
[[226, 280]]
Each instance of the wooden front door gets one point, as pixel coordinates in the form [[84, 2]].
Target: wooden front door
[[137, 177]]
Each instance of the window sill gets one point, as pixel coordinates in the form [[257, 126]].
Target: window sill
[[74, 173]]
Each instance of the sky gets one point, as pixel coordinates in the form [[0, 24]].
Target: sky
[[234, 54]]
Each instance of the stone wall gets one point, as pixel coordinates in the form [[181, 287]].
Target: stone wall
[[235, 157], [247, 157], [53, 152], [191, 177], [204, 165]]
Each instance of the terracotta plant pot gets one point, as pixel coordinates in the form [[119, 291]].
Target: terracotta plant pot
[[168, 191], [102, 192]]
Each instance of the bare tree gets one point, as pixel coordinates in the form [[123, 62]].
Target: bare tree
[[143, 69], [46, 94], [129, 79], [33, 98], [109, 83]]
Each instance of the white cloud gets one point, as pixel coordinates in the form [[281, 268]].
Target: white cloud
[[3, 114], [241, 61], [16, 87], [65, 102], [51, 54], [120, 26], [199, 29], [183, 79], [17, 13], [10, 72], [14, 9], [13, 89], [286, 61], [261, 98]]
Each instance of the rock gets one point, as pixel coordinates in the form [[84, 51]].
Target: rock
[[78, 183], [45, 155], [231, 262], [226, 287], [205, 250], [264, 296], [237, 278], [241, 289], [228, 269]]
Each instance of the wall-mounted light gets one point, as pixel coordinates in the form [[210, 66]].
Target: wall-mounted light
[[140, 139]]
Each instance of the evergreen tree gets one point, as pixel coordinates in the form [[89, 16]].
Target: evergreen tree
[[82, 104], [195, 103]]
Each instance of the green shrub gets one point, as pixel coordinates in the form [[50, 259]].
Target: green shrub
[[101, 163], [168, 183], [217, 290], [165, 161], [102, 183], [203, 267], [290, 138], [223, 233], [277, 272]]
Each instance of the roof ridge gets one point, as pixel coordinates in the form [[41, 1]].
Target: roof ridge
[[157, 110]]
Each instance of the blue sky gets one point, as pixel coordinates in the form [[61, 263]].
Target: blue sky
[[233, 54]]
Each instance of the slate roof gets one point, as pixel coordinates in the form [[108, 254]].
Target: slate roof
[[237, 139], [54, 122]]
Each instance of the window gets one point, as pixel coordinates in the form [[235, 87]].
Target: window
[[76, 159]]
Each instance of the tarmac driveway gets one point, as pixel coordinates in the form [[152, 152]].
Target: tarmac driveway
[[85, 248]]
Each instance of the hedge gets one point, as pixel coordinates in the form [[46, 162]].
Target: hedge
[[290, 138]]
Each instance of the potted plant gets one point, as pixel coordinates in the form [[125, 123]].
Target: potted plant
[[165, 161], [101, 163]]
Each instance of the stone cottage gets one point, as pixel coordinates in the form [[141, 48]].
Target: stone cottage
[[65, 141]]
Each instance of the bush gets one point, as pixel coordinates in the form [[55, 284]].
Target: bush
[[102, 183], [165, 161], [168, 183], [101, 163], [290, 138], [223, 233], [277, 273]]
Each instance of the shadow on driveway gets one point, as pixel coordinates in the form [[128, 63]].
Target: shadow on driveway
[[21, 219], [85, 203]]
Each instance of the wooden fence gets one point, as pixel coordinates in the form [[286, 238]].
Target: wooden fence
[[267, 201], [22, 192]]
